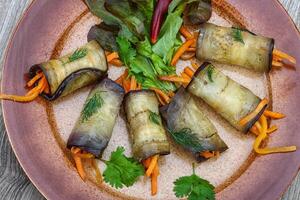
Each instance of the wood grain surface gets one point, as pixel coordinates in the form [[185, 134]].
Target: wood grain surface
[[14, 184]]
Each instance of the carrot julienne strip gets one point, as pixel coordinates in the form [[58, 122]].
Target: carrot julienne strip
[[181, 51], [35, 79], [99, 177], [272, 129], [112, 56], [174, 78], [79, 166], [283, 55], [116, 62], [186, 33], [154, 177], [273, 115], [189, 72], [207, 154], [277, 64], [195, 66], [254, 113], [133, 83], [152, 165], [160, 99], [164, 97]]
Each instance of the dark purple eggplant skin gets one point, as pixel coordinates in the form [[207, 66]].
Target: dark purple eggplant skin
[[68, 79], [176, 112], [249, 125], [96, 140]]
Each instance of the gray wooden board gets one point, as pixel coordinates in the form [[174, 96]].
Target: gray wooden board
[[14, 184]]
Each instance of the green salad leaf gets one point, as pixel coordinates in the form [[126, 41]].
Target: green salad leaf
[[122, 171]]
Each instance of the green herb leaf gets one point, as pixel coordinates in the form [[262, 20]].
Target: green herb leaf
[[237, 35], [122, 170], [210, 71], [126, 51], [91, 106], [194, 188], [78, 54], [187, 139], [155, 118]]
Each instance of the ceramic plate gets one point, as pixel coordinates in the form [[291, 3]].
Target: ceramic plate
[[38, 130]]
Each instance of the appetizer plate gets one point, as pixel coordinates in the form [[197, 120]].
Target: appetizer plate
[[38, 131]]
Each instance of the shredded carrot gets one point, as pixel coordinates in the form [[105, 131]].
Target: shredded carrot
[[195, 66], [99, 178], [274, 115], [254, 130], [112, 56], [263, 135], [191, 49], [253, 114], [126, 84], [174, 78], [189, 72], [187, 56], [35, 79], [85, 155], [154, 177], [171, 94], [181, 51], [258, 126], [79, 166], [152, 165], [283, 55], [147, 162], [75, 150], [186, 33], [116, 62], [277, 64], [160, 99], [133, 83], [272, 129], [164, 97], [207, 154]]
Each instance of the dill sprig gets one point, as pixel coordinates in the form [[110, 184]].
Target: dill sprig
[[78, 54], [91, 106], [210, 71], [237, 35], [155, 118]]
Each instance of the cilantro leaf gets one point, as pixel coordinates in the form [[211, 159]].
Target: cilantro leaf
[[155, 118], [194, 188], [91, 106], [237, 35], [122, 170]]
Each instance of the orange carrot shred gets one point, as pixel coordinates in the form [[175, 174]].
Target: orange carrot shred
[[35, 79], [99, 177], [133, 83], [272, 129], [154, 177], [277, 64], [274, 115], [207, 154], [283, 55], [160, 99], [181, 51], [186, 33], [253, 114], [152, 165], [116, 62], [79, 166], [195, 66], [113, 55], [189, 72], [175, 78], [162, 95]]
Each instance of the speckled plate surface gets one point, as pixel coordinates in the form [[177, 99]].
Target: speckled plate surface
[[38, 130]]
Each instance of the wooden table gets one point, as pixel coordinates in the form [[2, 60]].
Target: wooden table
[[14, 184]]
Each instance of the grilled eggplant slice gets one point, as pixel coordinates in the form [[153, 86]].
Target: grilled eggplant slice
[[189, 126], [145, 126], [198, 12], [93, 129], [84, 66], [235, 47], [227, 97]]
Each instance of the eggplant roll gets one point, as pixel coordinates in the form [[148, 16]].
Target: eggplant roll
[[227, 97], [189, 126], [94, 127], [235, 47], [145, 126], [78, 69]]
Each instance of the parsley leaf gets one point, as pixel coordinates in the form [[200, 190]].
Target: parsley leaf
[[194, 188], [210, 72], [122, 170], [91, 106], [187, 139], [155, 118], [78, 54], [237, 35], [126, 51]]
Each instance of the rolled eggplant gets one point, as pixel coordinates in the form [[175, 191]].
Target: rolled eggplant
[[78, 69], [189, 126], [145, 126], [235, 47], [198, 12], [227, 97], [94, 127]]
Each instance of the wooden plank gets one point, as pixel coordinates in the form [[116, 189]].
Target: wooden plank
[[13, 182]]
